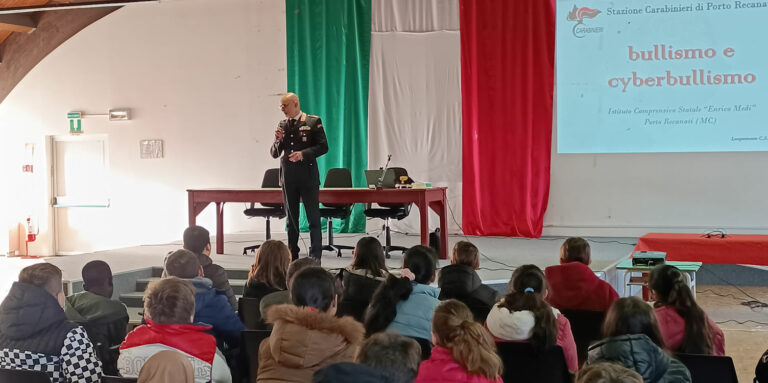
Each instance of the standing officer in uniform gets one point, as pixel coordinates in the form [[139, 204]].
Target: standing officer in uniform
[[301, 139]]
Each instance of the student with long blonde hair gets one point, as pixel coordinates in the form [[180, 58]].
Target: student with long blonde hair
[[269, 269], [463, 352]]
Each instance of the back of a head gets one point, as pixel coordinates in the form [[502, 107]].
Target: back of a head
[[313, 287], [576, 249], [298, 265], [466, 253], [525, 292], [607, 373], [43, 275], [629, 316], [369, 255], [394, 355], [167, 366], [271, 264], [170, 301], [196, 238], [97, 278], [671, 289], [183, 264], [454, 327], [422, 261]]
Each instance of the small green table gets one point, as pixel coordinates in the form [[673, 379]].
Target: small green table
[[688, 268]]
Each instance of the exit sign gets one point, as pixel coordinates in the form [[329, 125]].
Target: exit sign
[[74, 115]]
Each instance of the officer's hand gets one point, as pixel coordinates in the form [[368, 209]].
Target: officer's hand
[[279, 133], [296, 157]]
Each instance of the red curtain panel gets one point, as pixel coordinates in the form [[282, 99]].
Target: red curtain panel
[[507, 81]]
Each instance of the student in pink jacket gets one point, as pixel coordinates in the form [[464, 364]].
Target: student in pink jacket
[[524, 316], [683, 324], [463, 352]]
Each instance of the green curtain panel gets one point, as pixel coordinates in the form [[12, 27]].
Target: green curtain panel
[[328, 45]]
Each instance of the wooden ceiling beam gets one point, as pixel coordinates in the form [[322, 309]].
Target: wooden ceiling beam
[[17, 23]]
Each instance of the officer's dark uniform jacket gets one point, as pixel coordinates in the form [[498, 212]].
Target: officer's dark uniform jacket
[[307, 136]]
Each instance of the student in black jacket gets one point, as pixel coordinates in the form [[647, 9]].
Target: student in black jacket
[[460, 281]]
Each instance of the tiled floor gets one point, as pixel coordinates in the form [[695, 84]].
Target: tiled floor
[[746, 329]]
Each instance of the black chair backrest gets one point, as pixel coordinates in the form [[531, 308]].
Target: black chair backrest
[[586, 327], [399, 172], [271, 180], [249, 312], [117, 379], [522, 364], [338, 178], [26, 376], [426, 347], [250, 341], [709, 368]]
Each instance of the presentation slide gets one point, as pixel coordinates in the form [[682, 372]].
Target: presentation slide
[[662, 76]]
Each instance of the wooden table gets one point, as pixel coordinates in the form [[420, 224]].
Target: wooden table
[[424, 199], [733, 249]]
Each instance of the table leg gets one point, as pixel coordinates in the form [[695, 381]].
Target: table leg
[[439, 207], [191, 206], [219, 227], [423, 220]]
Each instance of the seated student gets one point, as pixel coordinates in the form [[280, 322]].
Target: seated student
[[395, 356], [460, 281], [524, 315], [362, 277], [284, 296], [307, 335], [761, 370], [683, 324], [405, 305], [35, 334], [198, 240], [169, 306], [104, 319], [211, 307], [633, 340], [607, 373], [269, 269], [463, 352], [167, 367], [573, 285]]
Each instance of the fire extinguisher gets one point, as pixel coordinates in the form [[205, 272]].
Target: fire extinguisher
[[31, 230]]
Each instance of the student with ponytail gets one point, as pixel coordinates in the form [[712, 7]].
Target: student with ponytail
[[463, 352], [524, 315], [683, 324]]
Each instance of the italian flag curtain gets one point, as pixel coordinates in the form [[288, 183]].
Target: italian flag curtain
[[459, 92]]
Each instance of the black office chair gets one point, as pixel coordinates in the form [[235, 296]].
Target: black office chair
[[268, 210], [26, 376], [117, 379], [387, 212], [251, 340], [709, 368], [250, 314], [586, 327], [523, 364], [336, 178]]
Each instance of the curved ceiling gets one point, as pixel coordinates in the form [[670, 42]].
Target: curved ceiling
[[31, 29]]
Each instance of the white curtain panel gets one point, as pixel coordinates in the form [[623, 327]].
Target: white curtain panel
[[414, 113], [414, 15]]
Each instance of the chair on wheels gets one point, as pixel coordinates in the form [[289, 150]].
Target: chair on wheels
[[267, 210], [586, 326], [523, 364], [709, 368], [336, 178], [387, 212]]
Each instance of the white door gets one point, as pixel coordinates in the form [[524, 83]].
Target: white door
[[80, 188]]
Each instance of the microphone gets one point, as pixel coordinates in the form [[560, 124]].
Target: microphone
[[380, 182]]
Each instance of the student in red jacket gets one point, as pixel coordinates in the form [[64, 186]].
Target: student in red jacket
[[683, 324], [463, 352], [524, 316], [573, 285]]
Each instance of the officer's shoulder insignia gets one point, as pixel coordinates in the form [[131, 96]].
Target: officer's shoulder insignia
[[305, 127]]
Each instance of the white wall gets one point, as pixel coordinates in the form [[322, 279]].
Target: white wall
[[201, 75], [634, 194]]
